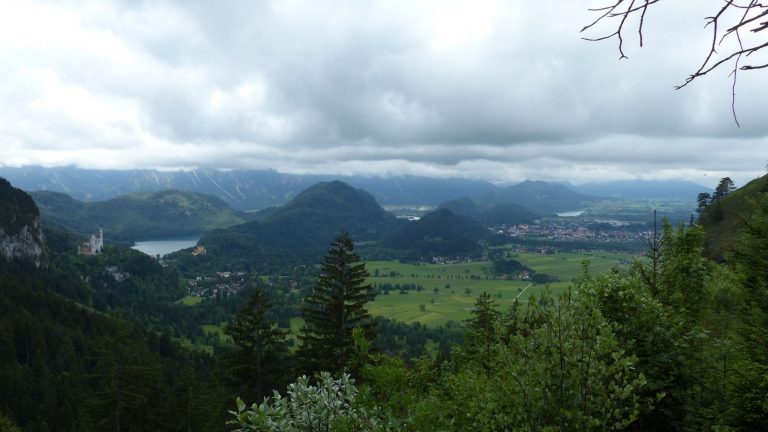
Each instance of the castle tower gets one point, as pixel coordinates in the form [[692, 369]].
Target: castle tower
[[100, 240]]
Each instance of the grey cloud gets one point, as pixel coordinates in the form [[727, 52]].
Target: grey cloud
[[306, 86]]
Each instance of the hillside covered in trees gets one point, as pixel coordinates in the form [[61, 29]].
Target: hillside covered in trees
[[66, 367], [139, 216], [724, 213], [301, 230]]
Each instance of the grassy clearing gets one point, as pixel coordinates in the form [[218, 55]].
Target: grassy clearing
[[450, 290], [215, 329], [191, 300], [296, 324]]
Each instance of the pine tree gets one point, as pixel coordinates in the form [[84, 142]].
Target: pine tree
[[259, 363], [703, 201], [723, 189], [334, 309], [482, 333], [750, 258]]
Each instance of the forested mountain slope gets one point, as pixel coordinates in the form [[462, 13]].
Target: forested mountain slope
[[498, 214], [64, 367], [21, 234], [140, 216], [438, 233], [723, 220], [303, 228]]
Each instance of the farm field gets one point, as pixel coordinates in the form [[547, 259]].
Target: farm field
[[569, 265], [450, 290]]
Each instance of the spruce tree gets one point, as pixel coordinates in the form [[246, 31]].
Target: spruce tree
[[723, 189], [259, 364], [703, 201], [481, 330], [334, 309]]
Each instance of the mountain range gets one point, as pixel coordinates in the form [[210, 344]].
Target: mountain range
[[141, 215], [540, 197], [250, 190], [303, 229], [245, 190], [668, 190]]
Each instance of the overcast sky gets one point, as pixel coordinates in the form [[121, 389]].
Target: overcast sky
[[498, 90]]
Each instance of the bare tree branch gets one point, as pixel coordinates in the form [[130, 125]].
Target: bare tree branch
[[751, 15]]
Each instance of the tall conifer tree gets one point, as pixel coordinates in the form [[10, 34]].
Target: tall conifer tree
[[482, 332], [260, 361], [334, 309]]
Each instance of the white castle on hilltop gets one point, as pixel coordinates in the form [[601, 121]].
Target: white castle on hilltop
[[94, 245]]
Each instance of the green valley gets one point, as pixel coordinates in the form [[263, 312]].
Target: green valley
[[447, 292]]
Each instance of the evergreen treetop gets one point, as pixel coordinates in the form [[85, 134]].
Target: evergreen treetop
[[336, 306], [260, 361]]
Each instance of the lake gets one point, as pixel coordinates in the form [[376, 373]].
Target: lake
[[165, 246], [571, 213]]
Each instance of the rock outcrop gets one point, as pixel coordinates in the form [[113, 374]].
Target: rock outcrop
[[21, 233]]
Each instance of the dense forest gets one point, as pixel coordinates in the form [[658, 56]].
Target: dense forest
[[64, 367]]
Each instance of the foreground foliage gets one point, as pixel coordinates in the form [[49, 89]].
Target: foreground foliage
[[329, 405]]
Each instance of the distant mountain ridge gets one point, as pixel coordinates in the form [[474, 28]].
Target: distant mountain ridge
[[540, 197], [241, 189], [139, 216], [643, 189]]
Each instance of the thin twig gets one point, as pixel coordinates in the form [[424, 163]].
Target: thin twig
[[752, 18]]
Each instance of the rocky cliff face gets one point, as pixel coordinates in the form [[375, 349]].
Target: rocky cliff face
[[21, 233]]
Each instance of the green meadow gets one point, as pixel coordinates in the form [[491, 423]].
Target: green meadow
[[450, 290], [570, 265], [191, 300], [215, 329]]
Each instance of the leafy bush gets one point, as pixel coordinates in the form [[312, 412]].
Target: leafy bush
[[331, 405]]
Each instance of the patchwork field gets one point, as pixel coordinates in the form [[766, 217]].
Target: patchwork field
[[449, 290]]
